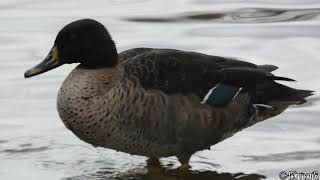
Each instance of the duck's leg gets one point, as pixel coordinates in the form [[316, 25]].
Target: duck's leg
[[154, 167], [184, 160], [153, 162]]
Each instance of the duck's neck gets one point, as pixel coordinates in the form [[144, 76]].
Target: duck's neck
[[105, 56], [91, 82]]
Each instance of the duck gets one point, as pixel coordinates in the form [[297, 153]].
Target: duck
[[158, 102]]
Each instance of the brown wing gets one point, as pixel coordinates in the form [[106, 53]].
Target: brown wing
[[175, 71]]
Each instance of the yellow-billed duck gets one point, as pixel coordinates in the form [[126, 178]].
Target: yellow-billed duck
[[158, 102]]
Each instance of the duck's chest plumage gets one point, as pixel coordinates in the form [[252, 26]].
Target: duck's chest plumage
[[101, 107]]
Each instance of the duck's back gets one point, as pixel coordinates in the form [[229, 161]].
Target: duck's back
[[181, 72]]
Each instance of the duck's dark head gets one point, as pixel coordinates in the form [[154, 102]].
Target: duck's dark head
[[84, 41]]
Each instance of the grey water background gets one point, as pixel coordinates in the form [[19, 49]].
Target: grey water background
[[34, 144]]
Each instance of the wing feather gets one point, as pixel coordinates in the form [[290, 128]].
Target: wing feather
[[182, 72]]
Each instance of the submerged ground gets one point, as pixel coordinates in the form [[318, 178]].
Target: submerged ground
[[34, 144]]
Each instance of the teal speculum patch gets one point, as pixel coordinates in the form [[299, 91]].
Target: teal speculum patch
[[221, 95]]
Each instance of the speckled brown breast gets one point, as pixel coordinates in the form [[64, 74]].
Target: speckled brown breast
[[103, 108]]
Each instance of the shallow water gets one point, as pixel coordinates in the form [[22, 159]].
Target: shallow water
[[34, 144]]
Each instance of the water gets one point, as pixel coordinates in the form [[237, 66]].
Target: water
[[34, 144]]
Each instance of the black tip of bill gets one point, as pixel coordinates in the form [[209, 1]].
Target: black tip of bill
[[32, 72], [50, 62]]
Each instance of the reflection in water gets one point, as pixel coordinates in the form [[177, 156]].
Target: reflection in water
[[156, 172], [244, 15], [189, 175]]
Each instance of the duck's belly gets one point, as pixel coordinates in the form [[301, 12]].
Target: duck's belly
[[121, 138], [101, 128], [134, 141]]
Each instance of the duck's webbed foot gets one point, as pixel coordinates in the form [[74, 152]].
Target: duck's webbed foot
[[184, 167]]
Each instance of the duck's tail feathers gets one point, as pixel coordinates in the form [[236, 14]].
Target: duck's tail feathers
[[279, 78], [275, 92], [271, 99]]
